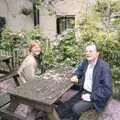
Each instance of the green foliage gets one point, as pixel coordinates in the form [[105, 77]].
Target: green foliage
[[116, 81], [101, 7], [106, 7], [6, 38], [33, 34], [108, 11], [12, 40], [17, 44], [49, 58], [19, 40], [39, 3], [48, 5], [68, 52]]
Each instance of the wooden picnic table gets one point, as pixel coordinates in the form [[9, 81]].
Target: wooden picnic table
[[42, 93], [6, 60]]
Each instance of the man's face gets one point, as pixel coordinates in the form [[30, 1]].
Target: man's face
[[36, 50], [91, 53]]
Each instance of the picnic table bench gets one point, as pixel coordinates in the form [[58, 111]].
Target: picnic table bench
[[6, 59], [4, 97], [40, 93], [12, 74]]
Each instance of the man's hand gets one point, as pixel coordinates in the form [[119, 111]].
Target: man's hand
[[74, 79], [86, 97]]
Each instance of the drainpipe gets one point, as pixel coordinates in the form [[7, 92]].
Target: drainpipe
[[36, 15]]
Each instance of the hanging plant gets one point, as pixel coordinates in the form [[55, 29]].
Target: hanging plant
[[39, 3], [26, 11]]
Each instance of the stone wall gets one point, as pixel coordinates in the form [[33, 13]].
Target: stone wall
[[11, 10]]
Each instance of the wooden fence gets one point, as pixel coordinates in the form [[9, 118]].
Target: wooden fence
[[17, 57]]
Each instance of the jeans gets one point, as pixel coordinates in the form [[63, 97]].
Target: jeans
[[65, 109], [74, 107], [82, 106]]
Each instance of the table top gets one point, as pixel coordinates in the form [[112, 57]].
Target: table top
[[4, 57], [47, 88]]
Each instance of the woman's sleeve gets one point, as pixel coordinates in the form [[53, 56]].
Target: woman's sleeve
[[29, 72]]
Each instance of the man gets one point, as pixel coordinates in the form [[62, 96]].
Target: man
[[95, 77]]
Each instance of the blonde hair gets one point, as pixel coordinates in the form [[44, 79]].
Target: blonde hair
[[33, 43]]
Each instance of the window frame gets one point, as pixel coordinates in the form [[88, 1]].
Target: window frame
[[62, 23]]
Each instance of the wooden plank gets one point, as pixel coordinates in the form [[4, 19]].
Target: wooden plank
[[4, 113], [53, 115], [15, 100], [13, 74], [4, 57], [91, 115], [4, 72], [4, 99], [7, 115]]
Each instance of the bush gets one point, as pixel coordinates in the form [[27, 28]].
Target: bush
[[17, 44], [68, 52]]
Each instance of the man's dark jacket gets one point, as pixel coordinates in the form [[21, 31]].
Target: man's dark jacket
[[102, 82]]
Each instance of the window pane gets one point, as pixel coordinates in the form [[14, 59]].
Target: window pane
[[70, 23], [2, 24], [63, 23]]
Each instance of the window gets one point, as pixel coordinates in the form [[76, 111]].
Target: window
[[2, 24], [65, 22]]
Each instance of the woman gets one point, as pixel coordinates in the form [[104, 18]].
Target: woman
[[32, 66]]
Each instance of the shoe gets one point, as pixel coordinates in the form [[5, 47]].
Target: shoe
[[66, 119], [70, 118]]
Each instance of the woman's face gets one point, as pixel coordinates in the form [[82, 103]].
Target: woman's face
[[36, 49]]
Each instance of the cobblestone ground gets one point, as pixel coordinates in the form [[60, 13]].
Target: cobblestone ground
[[112, 111], [9, 85]]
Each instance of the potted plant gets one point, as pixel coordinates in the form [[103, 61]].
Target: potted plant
[[26, 11]]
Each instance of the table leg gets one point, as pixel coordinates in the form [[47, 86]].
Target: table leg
[[53, 115], [12, 107], [31, 114], [8, 64]]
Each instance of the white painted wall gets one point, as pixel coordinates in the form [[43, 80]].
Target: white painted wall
[[11, 10]]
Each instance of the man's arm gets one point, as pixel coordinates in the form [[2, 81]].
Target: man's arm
[[29, 72], [78, 74]]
